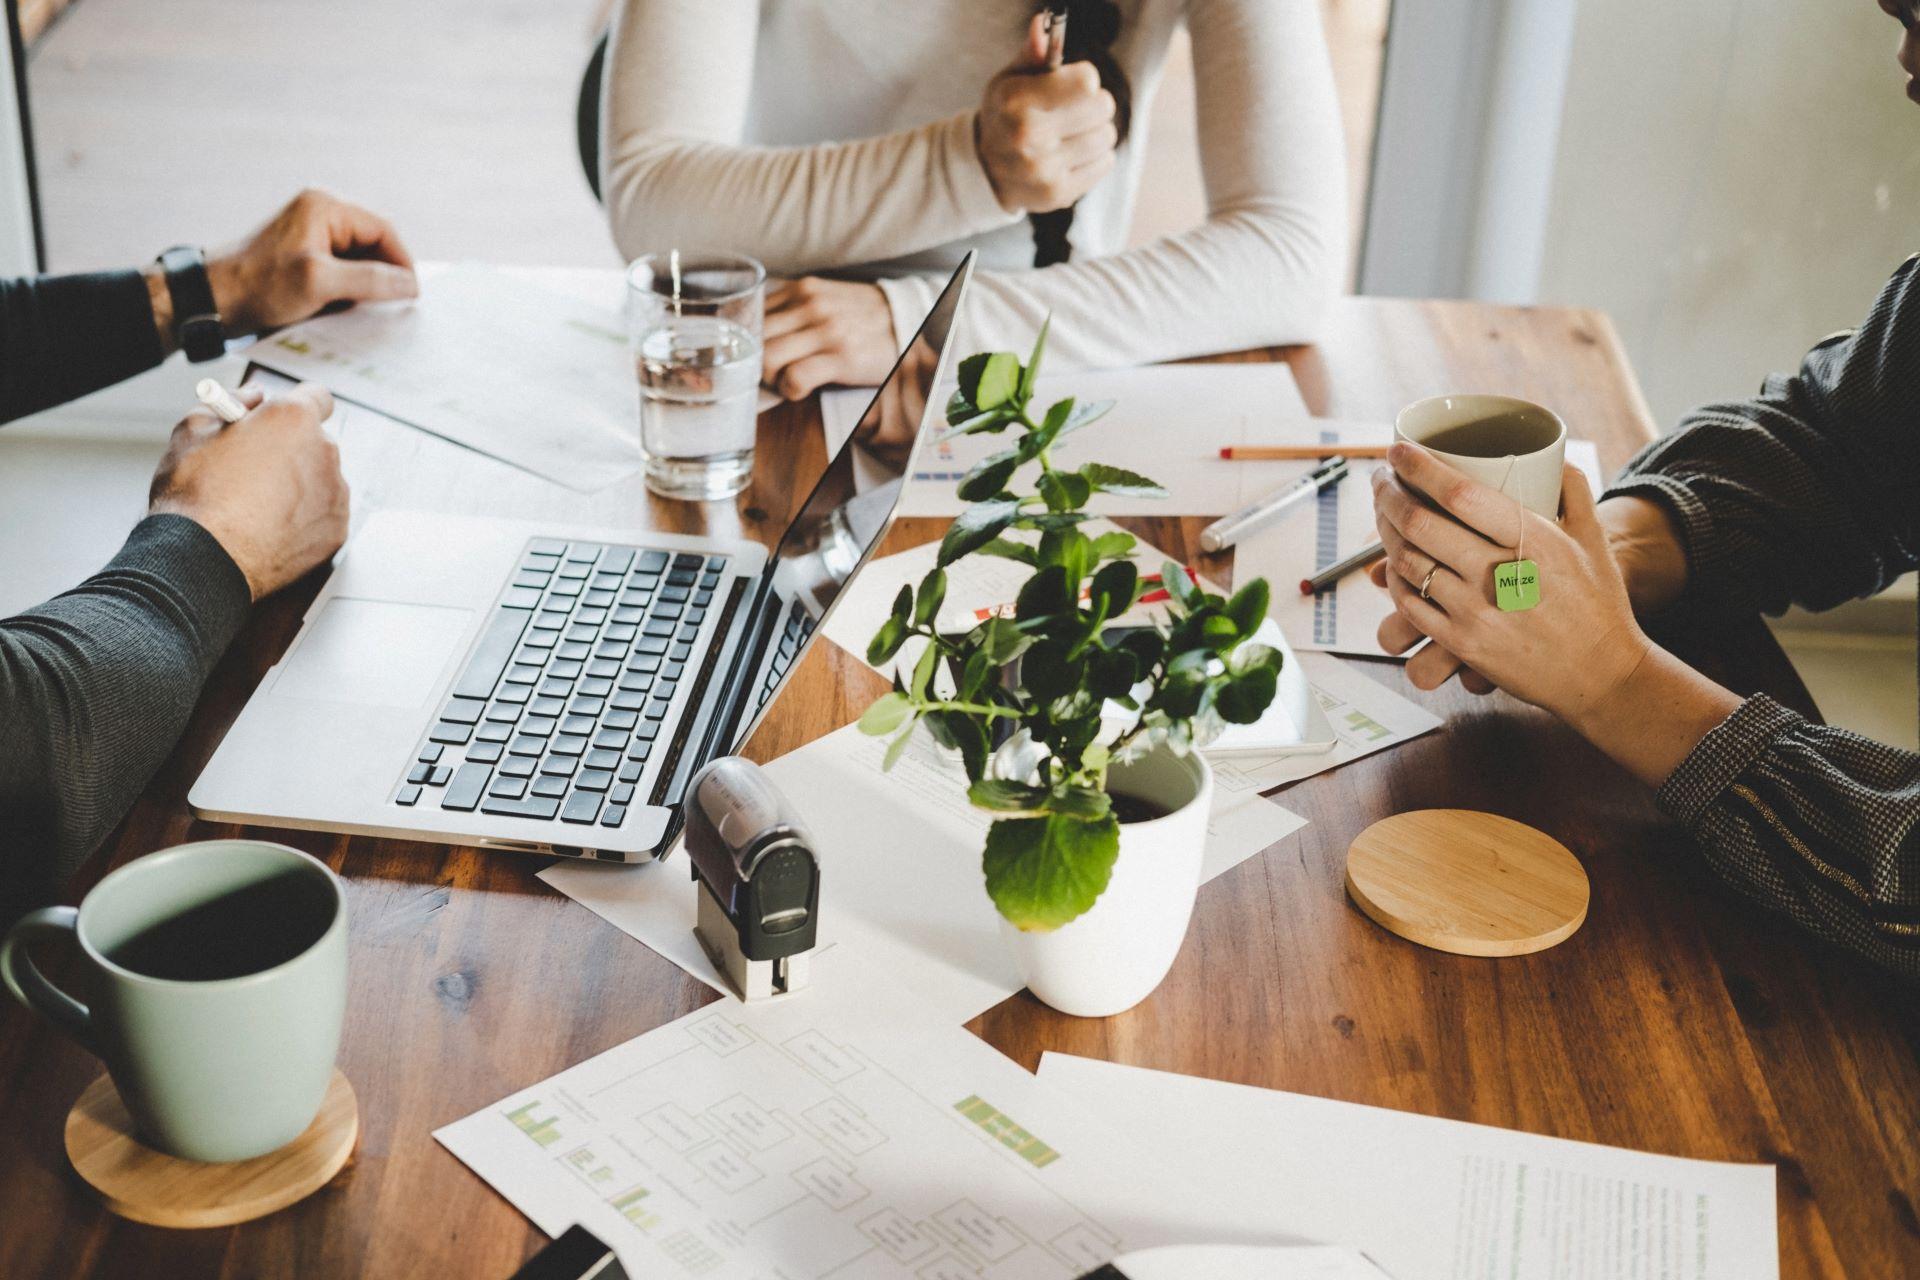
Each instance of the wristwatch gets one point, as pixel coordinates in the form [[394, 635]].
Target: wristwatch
[[197, 327]]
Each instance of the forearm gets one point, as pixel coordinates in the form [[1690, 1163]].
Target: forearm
[[676, 169], [1645, 542], [95, 688], [64, 336], [1656, 717]]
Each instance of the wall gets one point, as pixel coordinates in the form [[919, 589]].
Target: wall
[[1735, 179]]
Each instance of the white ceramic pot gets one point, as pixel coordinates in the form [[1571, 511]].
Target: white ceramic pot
[[1112, 958]]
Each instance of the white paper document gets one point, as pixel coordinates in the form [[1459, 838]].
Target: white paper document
[[1346, 617], [519, 372], [838, 1133], [1169, 423], [1432, 1199], [1366, 717], [900, 880]]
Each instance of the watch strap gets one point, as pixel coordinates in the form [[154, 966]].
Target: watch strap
[[197, 326]]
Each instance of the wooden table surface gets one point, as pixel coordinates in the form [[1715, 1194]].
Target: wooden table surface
[[1677, 1020]]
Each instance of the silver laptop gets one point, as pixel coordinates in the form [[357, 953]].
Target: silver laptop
[[549, 688]]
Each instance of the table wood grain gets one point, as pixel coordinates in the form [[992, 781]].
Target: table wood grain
[[1677, 1020]]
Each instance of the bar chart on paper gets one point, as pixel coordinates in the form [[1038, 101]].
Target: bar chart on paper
[[813, 1140]]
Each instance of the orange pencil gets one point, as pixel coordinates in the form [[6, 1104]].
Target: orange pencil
[[1299, 452]]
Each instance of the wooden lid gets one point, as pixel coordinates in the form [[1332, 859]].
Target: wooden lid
[[137, 1182], [1471, 883]]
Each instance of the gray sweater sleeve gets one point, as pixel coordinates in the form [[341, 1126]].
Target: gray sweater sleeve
[[95, 688], [1807, 494]]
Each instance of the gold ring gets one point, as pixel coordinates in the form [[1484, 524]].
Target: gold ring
[[1427, 581]]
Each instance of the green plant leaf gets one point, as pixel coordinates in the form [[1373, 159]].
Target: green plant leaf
[[990, 380], [965, 420], [903, 604], [923, 672], [1217, 630], [1245, 657], [887, 641], [1179, 585], [974, 674], [1113, 588], [1088, 804], [1065, 490], [1032, 372], [1180, 696], [978, 525], [1084, 415], [1106, 479], [888, 712], [1146, 645], [1049, 671], [897, 748], [988, 476], [1045, 872], [933, 593], [966, 734], [1050, 520], [1248, 607], [1069, 548], [1007, 549], [1006, 797], [1004, 641], [1109, 546], [1046, 594], [1244, 699], [1111, 673]]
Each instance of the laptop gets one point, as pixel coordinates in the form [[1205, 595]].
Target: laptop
[[548, 688]]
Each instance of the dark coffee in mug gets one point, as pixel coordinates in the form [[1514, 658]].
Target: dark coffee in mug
[[246, 930], [1499, 436]]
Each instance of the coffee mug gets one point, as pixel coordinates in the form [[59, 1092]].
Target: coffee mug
[[217, 976], [1511, 445]]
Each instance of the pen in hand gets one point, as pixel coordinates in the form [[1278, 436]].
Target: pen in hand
[[222, 401], [1056, 36]]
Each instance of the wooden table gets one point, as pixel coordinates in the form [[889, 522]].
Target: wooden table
[[1677, 1020]]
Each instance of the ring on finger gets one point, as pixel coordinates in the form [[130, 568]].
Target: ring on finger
[[1426, 583]]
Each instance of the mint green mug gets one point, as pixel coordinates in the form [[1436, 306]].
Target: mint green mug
[[216, 976]]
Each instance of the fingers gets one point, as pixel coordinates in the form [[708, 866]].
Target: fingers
[[1475, 683], [1423, 614], [1432, 667], [1477, 506], [251, 395], [1034, 52], [311, 398], [1578, 515], [362, 280], [1396, 635], [361, 232], [804, 377], [782, 352], [1400, 509]]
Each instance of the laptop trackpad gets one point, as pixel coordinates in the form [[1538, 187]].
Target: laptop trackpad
[[372, 653]]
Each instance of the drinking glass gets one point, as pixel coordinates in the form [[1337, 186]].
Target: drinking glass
[[694, 321]]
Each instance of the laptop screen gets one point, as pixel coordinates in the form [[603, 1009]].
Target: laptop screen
[[852, 505]]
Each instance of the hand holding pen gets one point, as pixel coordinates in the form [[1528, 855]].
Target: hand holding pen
[[1047, 130]]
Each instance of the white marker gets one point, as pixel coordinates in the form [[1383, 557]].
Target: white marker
[[1227, 530], [220, 400]]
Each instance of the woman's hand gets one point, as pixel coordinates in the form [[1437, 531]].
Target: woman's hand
[[820, 332], [1569, 653], [1046, 136]]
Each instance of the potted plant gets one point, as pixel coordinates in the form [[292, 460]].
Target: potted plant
[[1081, 738]]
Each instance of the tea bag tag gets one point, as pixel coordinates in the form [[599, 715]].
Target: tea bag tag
[[1516, 584]]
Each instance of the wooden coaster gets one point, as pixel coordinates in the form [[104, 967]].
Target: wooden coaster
[[1471, 883], [137, 1182]]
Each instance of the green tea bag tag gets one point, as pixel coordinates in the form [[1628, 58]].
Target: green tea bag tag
[[1516, 585]]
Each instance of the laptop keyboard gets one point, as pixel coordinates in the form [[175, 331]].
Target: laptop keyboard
[[569, 686], [793, 634]]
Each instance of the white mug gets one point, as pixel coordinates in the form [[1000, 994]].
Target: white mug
[[1532, 477]]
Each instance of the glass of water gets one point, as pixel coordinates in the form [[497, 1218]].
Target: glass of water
[[694, 319]]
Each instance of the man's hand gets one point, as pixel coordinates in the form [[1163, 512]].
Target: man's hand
[[268, 488], [820, 332], [1046, 137], [317, 252]]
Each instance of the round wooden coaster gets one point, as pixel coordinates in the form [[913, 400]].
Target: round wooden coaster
[[1471, 883], [137, 1182]]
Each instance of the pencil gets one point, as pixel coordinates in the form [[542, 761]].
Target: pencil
[[1300, 452], [1341, 568]]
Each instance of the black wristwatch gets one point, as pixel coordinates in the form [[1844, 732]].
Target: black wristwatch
[[197, 327]]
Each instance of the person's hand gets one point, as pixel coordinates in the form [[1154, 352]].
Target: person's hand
[[1045, 137], [1570, 652], [317, 252], [820, 331], [1646, 549], [268, 488]]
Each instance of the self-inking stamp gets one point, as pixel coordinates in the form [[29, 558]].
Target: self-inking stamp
[[759, 882]]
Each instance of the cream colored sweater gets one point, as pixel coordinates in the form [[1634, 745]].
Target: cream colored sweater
[[836, 136]]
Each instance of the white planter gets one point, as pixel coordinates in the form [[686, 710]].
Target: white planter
[[1112, 958]]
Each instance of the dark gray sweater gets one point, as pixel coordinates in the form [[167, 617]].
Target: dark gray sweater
[[96, 684], [1807, 494]]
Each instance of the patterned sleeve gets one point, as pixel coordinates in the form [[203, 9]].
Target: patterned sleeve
[[1808, 494]]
